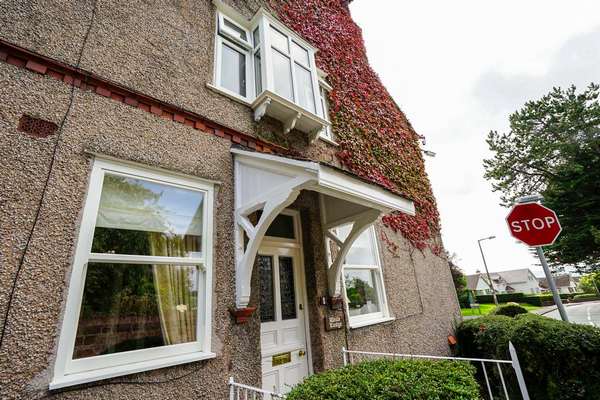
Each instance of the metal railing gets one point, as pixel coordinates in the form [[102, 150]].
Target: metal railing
[[349, 356], [239, 391]]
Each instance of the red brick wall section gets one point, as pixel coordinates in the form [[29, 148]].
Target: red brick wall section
[[84, 80]]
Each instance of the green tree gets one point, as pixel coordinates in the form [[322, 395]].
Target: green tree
[[553, 148], [590, 283], [458, 276]]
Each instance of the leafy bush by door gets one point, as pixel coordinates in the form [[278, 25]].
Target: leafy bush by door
[[387, 380]]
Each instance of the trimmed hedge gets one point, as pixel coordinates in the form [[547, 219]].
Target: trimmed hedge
[[509, 309], [540, 300], [502, 298], [387, 380], [586, 297], [559, 360]]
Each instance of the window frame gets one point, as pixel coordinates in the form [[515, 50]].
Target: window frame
[[221, 41], [69, 371], [383, 315]]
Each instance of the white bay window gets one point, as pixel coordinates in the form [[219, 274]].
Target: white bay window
[[140, 290], [273, 70]]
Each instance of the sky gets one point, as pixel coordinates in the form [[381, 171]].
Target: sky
[[458, 69]]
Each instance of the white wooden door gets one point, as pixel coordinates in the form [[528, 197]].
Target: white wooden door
[[282, 312]]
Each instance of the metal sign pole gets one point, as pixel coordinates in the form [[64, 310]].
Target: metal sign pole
[[550, 279]]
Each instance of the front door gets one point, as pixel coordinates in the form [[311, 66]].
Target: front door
[[282, 314]]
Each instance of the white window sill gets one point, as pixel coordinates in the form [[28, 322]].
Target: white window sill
[[105, 373], [327, 140], [231, 95], [361, 324]]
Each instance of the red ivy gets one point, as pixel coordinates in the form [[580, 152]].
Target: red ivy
[[376, 140]]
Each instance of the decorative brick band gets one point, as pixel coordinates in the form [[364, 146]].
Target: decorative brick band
[[84, 80]]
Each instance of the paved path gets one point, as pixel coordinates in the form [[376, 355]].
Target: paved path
[[582, 313]]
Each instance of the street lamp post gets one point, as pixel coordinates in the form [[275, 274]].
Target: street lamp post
[[486, 268]]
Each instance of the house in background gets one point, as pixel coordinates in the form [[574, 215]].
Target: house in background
[[565, 283], [512, 281], [176, 211]]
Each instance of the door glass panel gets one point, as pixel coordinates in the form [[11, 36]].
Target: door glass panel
[[287, 288], [136, 306], [282, 74], [267, 292], [361, 291], [306, 96]]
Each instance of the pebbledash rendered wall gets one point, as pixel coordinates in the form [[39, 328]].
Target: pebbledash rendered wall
[[162, 50]]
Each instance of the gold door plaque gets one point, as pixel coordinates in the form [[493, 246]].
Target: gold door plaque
[[282, 358]]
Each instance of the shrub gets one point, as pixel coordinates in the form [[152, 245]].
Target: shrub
[[509, 309], [559, 360], [587, 296], [398, 380], [502, 298]]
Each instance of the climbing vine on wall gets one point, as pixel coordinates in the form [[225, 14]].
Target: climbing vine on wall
[[376, 140]]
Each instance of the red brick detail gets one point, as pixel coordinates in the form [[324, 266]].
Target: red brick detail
[[117, 97], [16, 61], [103, 91], [236, 139], [144, 107], [155, 110], [219, 133], [36, 67], [200, 125], [189, 122], [252, 144], [77, 83], [3, 55], [178, 118], [131, 101], [167, 115], [56, 75]]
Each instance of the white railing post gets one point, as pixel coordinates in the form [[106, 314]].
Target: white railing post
[[231, 389], [517, 367], [345, 356]]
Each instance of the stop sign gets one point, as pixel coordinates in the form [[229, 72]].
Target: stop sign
[[533, 224]]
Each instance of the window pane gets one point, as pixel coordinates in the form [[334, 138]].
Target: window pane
[[306, 97], [267, 292], [299, 53], [233, 70], [279, 40], [282, 75], [287, 288], [361, 291], [257, 73], [141, 217], [362, 251], [130, 307], [235, 30], [282, 227], [256, 37]]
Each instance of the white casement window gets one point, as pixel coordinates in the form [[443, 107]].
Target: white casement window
[[264, 64], [141, 286], [363, 280], [326, 133]]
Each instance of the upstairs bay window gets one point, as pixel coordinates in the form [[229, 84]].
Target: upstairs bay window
[[264, 64]]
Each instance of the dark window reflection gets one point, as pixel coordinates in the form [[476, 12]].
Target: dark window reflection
[[267, 293], [130, 307], [361, 292], [287, 288]]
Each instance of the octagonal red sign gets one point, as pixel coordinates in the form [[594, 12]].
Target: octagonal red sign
[[533, 224]]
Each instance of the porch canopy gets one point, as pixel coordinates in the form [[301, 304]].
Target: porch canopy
[[271, 183]]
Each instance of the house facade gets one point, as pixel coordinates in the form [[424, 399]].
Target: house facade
[[183, 203], [511, 281], [565, 283]]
